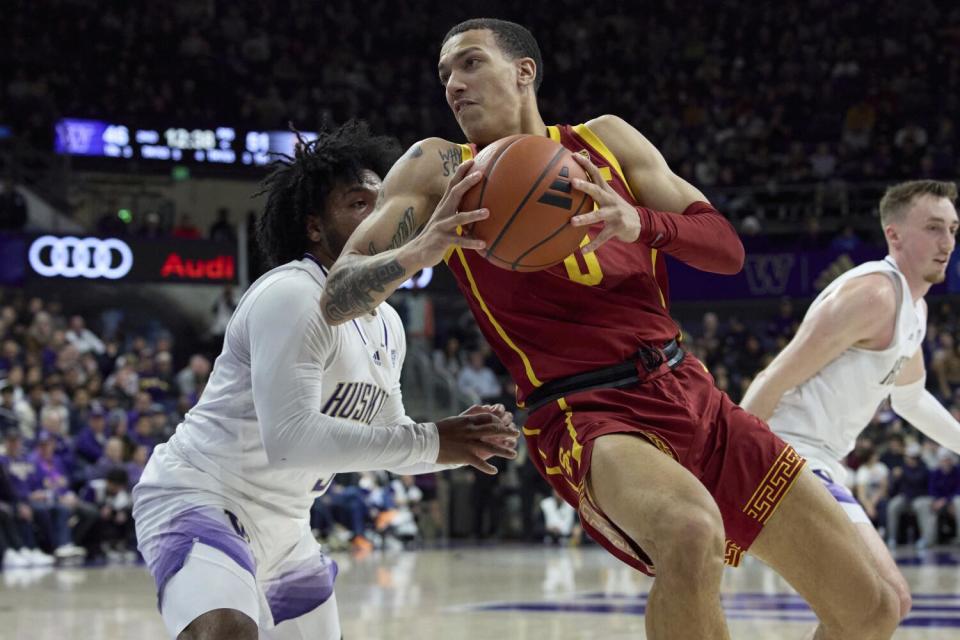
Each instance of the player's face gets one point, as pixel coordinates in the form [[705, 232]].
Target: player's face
[[927, 237], [347, 206], [482, 86]]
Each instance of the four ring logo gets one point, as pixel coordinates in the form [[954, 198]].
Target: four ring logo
[[71, 257]]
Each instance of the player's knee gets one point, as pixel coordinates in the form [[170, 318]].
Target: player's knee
[[904, 599], [888, 610], [221, 624], [877, 618], [690, 541]]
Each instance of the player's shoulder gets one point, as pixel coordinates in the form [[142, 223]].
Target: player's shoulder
[[624, 140], [611, 126], [873, 293], [607, 121], [291, 284]]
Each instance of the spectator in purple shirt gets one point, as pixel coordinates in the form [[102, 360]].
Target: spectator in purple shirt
[[17, 538], [113, 454], [92, 439], [143, 434], [944, 489], [135, 467], [51, 497]]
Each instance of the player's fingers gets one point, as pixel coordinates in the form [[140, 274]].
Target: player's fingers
[[482, 466], [465, 177], [597, 192], [482, 417], [466, 242], [604, 235], [461, 172], [491, 449], [474, 409], [457, 187], [464, 218], [586, 219], [590, 168]]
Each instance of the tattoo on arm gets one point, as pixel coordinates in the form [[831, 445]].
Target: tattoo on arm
[[451, 159], [404, 229], [351, 291], [415, 151]]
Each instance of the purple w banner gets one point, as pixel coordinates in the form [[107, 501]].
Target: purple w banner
[[797, 274]]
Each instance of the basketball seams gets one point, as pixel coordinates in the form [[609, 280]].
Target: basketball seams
[[487, 174], [547, 239], [503, 230]]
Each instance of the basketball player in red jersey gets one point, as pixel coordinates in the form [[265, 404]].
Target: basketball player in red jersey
[[665, 471]]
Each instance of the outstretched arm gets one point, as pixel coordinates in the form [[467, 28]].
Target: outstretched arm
[[675, 216], [911, 400], [858, 311], [414, 222]]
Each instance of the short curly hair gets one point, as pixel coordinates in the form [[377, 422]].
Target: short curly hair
[[298, 185]]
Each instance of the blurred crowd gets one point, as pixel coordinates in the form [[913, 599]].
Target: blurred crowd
[[80, 414], [740, 95], [81, 411]]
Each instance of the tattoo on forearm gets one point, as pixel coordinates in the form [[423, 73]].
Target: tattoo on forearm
[[451, 159], [415, 151], [351, 290], [404, 229]]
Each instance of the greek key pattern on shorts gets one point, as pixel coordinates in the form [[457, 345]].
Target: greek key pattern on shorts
[[590, 516], [781, 475], [732, 554], [659, 443]]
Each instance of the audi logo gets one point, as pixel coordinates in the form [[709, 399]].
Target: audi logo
[[71, 257]]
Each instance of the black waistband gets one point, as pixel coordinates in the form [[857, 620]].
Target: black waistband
[[648, 360]]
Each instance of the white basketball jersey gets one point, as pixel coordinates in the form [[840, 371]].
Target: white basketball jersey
[[823, 416], [218, 447]]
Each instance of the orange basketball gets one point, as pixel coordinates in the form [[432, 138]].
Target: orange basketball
[[527, 185]]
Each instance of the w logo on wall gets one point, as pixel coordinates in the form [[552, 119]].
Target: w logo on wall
[[558, 194], [769, 274]]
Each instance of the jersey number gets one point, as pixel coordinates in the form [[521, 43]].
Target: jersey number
[[594, 274]]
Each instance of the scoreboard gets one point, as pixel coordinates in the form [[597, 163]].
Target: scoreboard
[[189, 145]]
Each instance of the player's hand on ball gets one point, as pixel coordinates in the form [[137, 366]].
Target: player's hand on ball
[[620, 220], [440, 232], [475, 436]]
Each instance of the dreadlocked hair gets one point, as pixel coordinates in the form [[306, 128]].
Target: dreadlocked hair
[[298, 185]]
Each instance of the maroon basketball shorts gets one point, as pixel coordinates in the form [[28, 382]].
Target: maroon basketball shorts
[[745, 467]]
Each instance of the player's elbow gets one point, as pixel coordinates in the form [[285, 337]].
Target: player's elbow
[[733, 258], [729, 257], [328, 311]]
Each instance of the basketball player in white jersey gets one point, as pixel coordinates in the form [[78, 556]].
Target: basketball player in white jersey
[[859, 343], [222, 509]]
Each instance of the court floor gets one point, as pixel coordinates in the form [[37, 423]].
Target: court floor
[[496, 593]]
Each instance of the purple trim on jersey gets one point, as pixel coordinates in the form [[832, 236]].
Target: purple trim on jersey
[[386, 336], [302, 590], [838, 491], [166, 552]]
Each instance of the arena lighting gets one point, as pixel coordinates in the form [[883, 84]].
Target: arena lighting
[[72, 257], [419, 282]]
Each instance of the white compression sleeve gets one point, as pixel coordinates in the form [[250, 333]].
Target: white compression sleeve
[[916, 404], [289, 347]]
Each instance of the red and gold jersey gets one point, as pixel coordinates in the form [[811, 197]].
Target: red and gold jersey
[[590, 311]]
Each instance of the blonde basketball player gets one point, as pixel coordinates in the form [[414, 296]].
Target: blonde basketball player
[[859, 343]]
